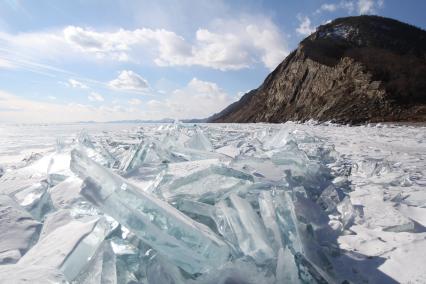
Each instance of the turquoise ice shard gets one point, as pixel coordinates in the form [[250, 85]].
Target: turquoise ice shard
[[199, 141], [279, 139], [329, 199], [161, 271], [205, 184], [248, 229], [145, 152], [102, 269], [100, 154], [197, 208], [269, 217], [347, 212], [188, 244], [287, 271], [69, 248], [287, 221]]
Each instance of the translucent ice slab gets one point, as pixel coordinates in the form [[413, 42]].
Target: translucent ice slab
[[199, 141], [247, 228], [35, 199], [102, 269], [143, 153], [19, 231], [69, 248], [207, 183], [286, 271], [329, 198], [190, 245], [279, 139], [287, 221], [269, 217], [160, 271]]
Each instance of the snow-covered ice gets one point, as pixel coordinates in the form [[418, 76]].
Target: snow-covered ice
[[212, 203]]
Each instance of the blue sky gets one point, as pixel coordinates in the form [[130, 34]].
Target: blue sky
[[102, 60]]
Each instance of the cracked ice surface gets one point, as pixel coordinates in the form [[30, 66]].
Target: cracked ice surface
[[212, 203]]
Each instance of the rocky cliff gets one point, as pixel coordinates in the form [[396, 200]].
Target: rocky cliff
[[352, 70]]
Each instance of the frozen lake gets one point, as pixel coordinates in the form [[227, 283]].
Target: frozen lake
[[212, 203]]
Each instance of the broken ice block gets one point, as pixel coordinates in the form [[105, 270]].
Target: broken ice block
[[311, 273], [102, 268], [100, 154], [239, 271], [201, 212], [190, 245], [14, 181], [372, 167], [55, 220], [287, 221], [68, 248], [189, 154], [143, 153], [161, 271], [207, 183], [347, 212], [199, 141], [18, 230], [248, 229], [35, 199], [66, 194], [84, 139], [280, 138], [131, 259], [229, 150], [269, 217], [286, 271], [329, 199], [289, 154], [197, 208]]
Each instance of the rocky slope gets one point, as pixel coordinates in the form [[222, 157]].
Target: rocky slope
[[352, 70]]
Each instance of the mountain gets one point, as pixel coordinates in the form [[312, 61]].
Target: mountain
[[352, 70]]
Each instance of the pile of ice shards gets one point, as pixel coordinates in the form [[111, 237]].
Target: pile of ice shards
[[176, 204]]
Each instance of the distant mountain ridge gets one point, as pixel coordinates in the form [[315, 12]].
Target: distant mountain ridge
[[352, 70], [164, 120]]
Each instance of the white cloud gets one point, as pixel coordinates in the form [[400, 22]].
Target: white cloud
[[246, 41], [21, 110], [134, 102], [366, 6], [269, 42], [51, 97], [77, 84], [328, 7], [95, 97], [351, 6], [199, 99], [128, 80], [224, 45], [6, 64], [305, 27], [223, 51], [114, 45]]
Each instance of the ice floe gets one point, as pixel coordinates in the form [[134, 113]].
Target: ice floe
[[218, 203]]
